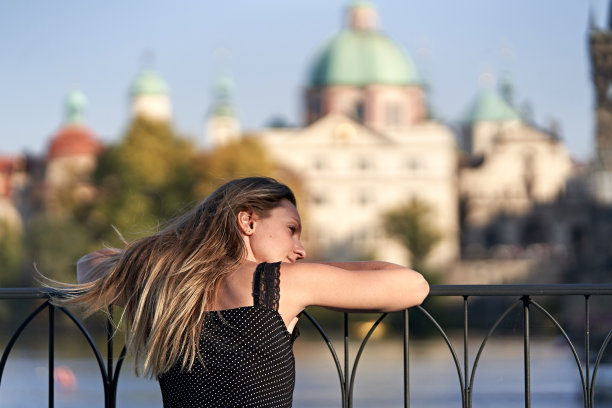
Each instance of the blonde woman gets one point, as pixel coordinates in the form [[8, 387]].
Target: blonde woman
[[211, 301]]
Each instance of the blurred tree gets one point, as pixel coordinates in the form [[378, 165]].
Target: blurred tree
[[241, 158], [411, 225], [245, 157], [11, 255], [145, 179], [54, 243]]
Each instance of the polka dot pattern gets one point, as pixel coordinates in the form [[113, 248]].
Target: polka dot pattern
[[247, 353]]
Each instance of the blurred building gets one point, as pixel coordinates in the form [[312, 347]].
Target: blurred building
[[150, 97], [600, 50], [71, 158], [12, 174], [223, 125], [508, 167], [368, 146], [504, 193]]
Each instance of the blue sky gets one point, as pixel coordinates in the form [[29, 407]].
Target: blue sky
[[50, 47]]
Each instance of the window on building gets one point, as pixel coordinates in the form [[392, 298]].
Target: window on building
[[393, 114], [359, 112], [414, 164], [320, 163], [365, 197], [318, 198], [364, 163], [314, 106]]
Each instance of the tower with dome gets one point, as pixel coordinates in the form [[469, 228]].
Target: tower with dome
[[600, 52], [150, 97], [363, 74], [368, 146], [71, 158]]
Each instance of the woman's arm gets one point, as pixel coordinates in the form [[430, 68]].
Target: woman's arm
[[359, 286], [363, 265], [88, 269]]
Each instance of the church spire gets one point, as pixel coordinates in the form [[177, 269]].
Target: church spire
[[223, 125], [75, 105], [591, 23]]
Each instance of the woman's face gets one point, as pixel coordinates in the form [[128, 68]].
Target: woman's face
[[276, 237]]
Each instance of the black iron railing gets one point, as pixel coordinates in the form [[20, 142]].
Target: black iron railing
[[521, 297]]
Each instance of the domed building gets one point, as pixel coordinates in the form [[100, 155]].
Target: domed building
[[512, 189], [363, 74], [223, 125], [71, 158], [150, 97], [368, 147]]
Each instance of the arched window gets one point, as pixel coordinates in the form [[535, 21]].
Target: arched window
[[393, 114], [359, 111]]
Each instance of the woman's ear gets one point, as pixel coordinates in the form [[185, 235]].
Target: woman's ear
[[245, 222]]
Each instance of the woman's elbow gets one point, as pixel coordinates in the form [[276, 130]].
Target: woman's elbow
[[422, 290], [419, 289]]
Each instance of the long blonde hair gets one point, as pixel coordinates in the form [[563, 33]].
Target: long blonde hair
[[168, 280]]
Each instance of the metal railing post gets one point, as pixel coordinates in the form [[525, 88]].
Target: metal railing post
[[347, 397], [526, 351], [406, 341], [51, 354], [111, 396], [467, 395], [587, 349]]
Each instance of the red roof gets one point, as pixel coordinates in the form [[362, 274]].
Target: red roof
[[6, 164], [6, 168], [73, 140]]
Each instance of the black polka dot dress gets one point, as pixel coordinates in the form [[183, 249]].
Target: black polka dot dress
[[247, 354]]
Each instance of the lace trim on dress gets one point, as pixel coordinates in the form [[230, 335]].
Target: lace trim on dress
[[266, 285]]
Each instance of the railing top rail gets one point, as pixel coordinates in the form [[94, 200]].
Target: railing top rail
[[29, 293], [523, 290], [435, 290]]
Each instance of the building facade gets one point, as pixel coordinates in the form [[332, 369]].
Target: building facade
[[368, 147]]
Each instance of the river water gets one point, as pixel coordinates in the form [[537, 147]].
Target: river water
[[434, 383]]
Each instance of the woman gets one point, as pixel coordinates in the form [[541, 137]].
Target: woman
[[211, 301]]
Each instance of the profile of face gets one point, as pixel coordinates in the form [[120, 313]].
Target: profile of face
[[274, 237]]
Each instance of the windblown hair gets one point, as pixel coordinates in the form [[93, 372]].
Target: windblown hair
[[167, 281]]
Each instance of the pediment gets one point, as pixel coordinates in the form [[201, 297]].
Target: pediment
[[339, 129]]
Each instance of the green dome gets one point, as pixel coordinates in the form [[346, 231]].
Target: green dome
[[76, 102], [149, 82], [223, 93], [362, 57], [490, 106]]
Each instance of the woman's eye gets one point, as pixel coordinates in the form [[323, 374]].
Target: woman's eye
[[292, 228]]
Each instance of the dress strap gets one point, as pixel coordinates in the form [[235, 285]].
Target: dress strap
[[266, 285]]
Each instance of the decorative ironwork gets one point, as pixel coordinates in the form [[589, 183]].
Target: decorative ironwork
[[587, 366]]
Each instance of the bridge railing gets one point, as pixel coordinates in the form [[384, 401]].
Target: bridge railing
[[524, 299]]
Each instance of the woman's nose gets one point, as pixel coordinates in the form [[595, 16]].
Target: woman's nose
[[299, 251]]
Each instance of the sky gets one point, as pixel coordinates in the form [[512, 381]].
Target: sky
[[48, 48]]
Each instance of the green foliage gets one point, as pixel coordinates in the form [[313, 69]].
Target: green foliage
[[146, 179], [245, 157], [242, 158], [411, 225], [55, 243], [11, 255]]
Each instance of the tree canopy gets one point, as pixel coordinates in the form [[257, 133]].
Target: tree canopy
[[411, 224]]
